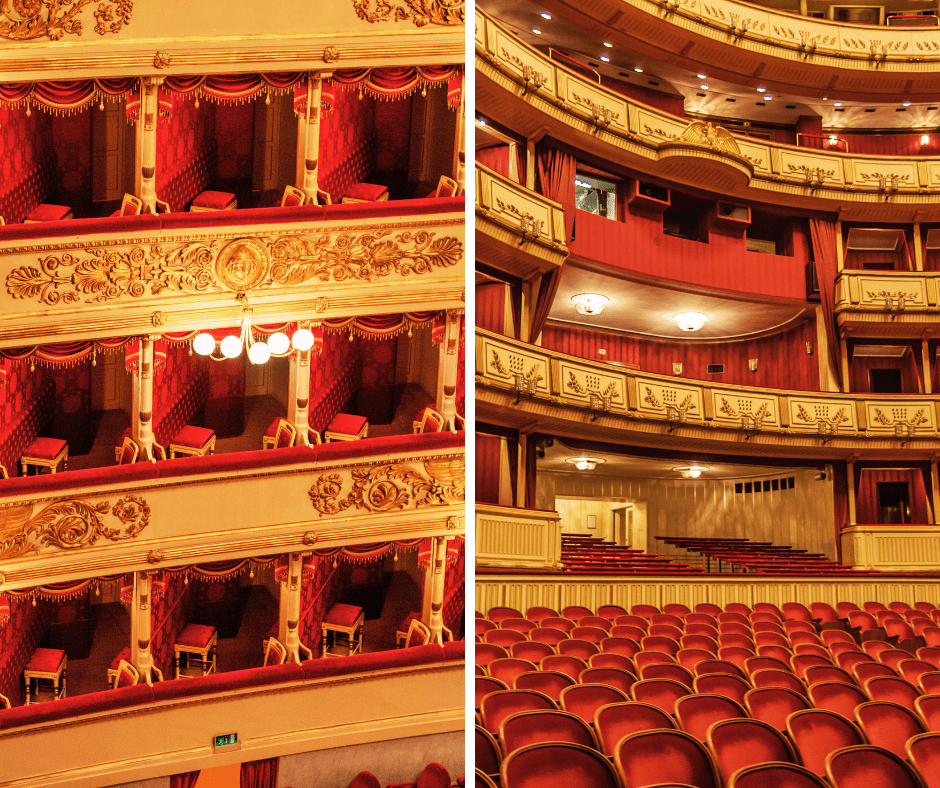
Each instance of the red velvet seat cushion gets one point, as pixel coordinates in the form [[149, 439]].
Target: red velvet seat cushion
[[44, 449], [124, 654], [193, 437], [342, 615], [371, 192], [346, 424], [48, 213], [46, 660], [271, 431], [195, 635], [403, 627], [216, 201]]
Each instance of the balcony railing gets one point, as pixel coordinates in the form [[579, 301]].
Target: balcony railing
[[900, 302], [519, 538]]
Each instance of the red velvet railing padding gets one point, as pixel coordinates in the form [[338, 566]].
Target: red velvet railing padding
[[454, 651], [89, 477], [235, 461], [399, 208], [277, 215], [378, 447], [226, 682], [110, 224], [93, 703], [378, 660]]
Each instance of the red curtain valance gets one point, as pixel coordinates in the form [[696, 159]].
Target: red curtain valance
[[68, 353], [380, 326], [132, 355], [385, 84], [453, 551], [364, 553], [65, 96]]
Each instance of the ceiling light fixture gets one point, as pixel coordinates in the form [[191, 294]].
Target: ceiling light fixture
[[638, 69], [691, 471], [481, 121], [608, 45], [768, 98], [277, 345], [701, 75], [906, 104], [585, 463], [590, 303], [690, 321], [704, 87], [761, 89], [536, 31], [924, 139], [605, 58], [837, 103], [546, 15]]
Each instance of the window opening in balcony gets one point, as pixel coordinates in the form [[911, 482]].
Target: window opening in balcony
[[885, 381], [687, 217], [894, 503], [595, 195]]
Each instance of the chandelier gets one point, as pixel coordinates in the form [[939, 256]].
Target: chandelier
[[585, 463], [690, 321], [590, 303], [259, 351], [691, 471]]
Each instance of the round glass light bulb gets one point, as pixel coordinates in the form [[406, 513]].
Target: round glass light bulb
[[204, 344], [303, 339], [590, 303], [585, 465], [278, 343], [231, 347], [690, 321], [259, 352]]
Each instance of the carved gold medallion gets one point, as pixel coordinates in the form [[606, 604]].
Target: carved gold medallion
[[242, 265]]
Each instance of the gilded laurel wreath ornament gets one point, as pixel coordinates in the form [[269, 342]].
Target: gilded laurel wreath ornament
[[109, 274], [384, 488], [421, 12], [365, 257], [69, 525], [27, 20]]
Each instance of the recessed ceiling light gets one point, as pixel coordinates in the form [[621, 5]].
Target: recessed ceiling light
[[638, 69], [704, 87], [546, 15], [605, 58], [701, 75], [837, 103], [768, 98], [761, 89], [690, 321], [536, 31], [691, 471], [481, 121], [590, 303], [585, 463], [608, 44], [907, 104]]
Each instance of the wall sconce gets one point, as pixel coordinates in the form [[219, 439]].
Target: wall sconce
[[888, 184], [903, 431], [601, 114], [749, 422], [752, 364], [525, 385], [894, 307], [590, 303], [809, 348], [827, 428], [879, 52], [676, 367], [531, 227], [534, 79], [599, 403], [674, 414]]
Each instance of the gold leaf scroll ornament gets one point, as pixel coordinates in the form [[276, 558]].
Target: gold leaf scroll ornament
[[27, 20], [421, 12], [383, 488]]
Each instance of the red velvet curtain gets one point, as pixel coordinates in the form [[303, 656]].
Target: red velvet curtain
[[491, 307], [185, 780], [488, 451], [496, 158], [823, 234], [65, 95], [259, 774], [530, 471], [867, 500]]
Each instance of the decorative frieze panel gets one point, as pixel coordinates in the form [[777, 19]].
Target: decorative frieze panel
[[596, 389], [655, 127], [597, 106], [532, 216], [902, 419], [670, 401], [510, 537], [822, 416], [747, 411], [528, 67], [514, 367]]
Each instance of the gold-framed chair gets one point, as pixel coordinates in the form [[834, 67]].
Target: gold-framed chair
[[3, 472], [4, 702], [446, 187], [162, 206], [130, 206], [418, 634], [128, 452], [314, 437], [126, 675], [293, 197], [430, 421], [274, 652], [281, 434], [324, 198]]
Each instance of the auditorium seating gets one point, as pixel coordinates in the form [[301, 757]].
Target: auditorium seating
[[590, 555], [665, 718]]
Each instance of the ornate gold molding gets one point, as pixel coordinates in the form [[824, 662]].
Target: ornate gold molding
[[421, 12], [69, 525], [28, 20], [383, 488]]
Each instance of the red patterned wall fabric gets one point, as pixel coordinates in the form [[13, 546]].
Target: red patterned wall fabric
[[376, 399], [491, 307], [234, 134], [861, 366], [394, 118], [179, 392], [782, 360], [638, 244], [488, 450], [317, 596], [186, 152], [225, 407], [71, 417], [169, 613], [674, 105], [461, 396], [71, 138], [867, 500], [28, 402], [454, 578], [27, 167], [18, 639], [334, 378], [347, 143]]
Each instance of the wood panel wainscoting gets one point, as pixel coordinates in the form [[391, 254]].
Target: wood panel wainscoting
[[517, 538], [892, 548]]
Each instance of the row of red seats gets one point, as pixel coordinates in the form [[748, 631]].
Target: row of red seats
[[434, 775], [588, 554]]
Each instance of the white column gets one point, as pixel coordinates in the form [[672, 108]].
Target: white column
[[289, 623], [434, 587], [147, 143], [460, 166], [141, 658], [142, 418], [446, 400], [298, 396], [312, 135]]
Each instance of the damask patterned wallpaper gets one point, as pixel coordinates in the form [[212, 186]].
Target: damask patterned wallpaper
[[376, 400], [334, 377], [25, 147], [18, 639], [186, 152], [169, 613], [71, 136], [317, 596], [347, 143], [454, 579]]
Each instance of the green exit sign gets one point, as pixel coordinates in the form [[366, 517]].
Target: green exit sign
[[226, 741]]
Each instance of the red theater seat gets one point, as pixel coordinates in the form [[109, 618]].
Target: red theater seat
[[48, 213], [561, 765], [662, 757], [213, 201], [366, 192], [867, 766]]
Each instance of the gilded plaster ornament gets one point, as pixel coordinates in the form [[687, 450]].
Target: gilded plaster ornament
[[421, 12]]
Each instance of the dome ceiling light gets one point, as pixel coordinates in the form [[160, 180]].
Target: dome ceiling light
[[590, 303], [690, 321], [691, 471], [585, 463]]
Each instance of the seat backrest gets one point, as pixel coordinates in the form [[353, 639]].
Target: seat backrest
[[548, 635], [585, 699], [536, 614], [129, 452], [923, 751], [575, 612], [610, 612], [4, 702], [496, 706], [866, 670], [503, 637], [531, 650], [483, 686], [481, 780], [868, 766], [662, 756], [816, 673], [418, 634], [662, 693], [577, 647], [487, 753], [126, 676], [564, 663], [446, 187], [888, 725], [292, 197], [590, 634], [286, 434], [549, 682], [780, 775], [497, 614], [530, 727], [816, 732], [673, 672], [736, 743], [365, 780], [604, 660], [431, 421], [506, 669], [557, 765], [613, 721], [275, 653], [434, 775], [724, 684], [131, 205], [558, 622], [695, 713], [836, 696], [774, 704], [612, 677], [893, 689], [777, 678]]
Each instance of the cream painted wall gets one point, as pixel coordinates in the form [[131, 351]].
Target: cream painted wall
[[801, 517]]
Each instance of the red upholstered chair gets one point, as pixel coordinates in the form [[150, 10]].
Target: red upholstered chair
[[735, 640], [612, 677], [324, 198], [536, 614], [498, 614], [737, 743], [733, 628], [645, 611], [929, 683], [522, 625], [672, 672], [930, 654], [280, 434], [482, 780], [48, 213], [691, 658], [434, 775], [923, 752], [507, 668], [708, 608], [576, 612], [585, 699], [675, 609], [274, 652], [446, 187], [628, 631], [668, 619], [481, 626], [213, 201], [666, 645], [661, 693], [564, 663], [830, 636], [643, 658], [755, 664], [615, 720], [848, 659], [130, 206], [892, 689], [722, 684], [129, 452], [496, 706], [631, 620], [836, 696], [718, 666], [611, 612], [532, 727], [547, 635], [590, 634], [912, 669], [734, 617], [349, 427], [487, 752], [503, 637], [561, 765], [774, 704], [620, 645], [293, 197], [618, 661], [816, 732], [427, 420], [483, 686], [696, 713], [801, 662], [888, 725], [779, 775], [701, 618], [194, 441], [548, 682], [868, 766], [418, 634], [365, 780], [583, 649], [659, 757], [558, 622], [817, 673], [596, 622], [867, 670], [485, 653], [531, 651], [127, 675], [366, 192], [736, 655]]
